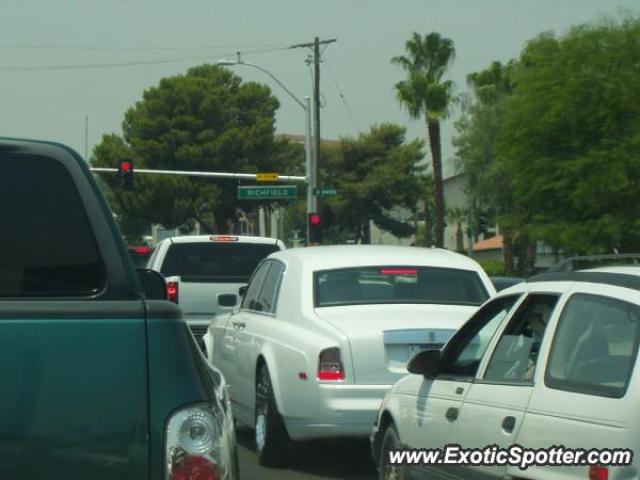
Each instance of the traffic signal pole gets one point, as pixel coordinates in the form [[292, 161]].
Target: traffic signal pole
[[310, 163], [245, 176]]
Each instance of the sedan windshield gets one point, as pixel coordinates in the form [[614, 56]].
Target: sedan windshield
[[379, 285]]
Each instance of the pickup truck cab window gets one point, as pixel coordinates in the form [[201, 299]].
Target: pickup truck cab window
[[595, 346], [515, 357], [44, 258], [467, 347], [215, 259]]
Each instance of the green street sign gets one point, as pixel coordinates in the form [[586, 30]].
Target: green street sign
[[271, 192], [325, 192]]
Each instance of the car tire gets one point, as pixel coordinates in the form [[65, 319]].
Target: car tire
[[390, 441], [271, 436]]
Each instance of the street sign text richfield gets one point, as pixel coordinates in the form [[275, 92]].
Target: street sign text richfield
[[272, 192]]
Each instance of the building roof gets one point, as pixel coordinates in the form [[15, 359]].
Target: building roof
[[452, 177], [493, 243]]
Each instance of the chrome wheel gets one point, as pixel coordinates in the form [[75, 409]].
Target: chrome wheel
[[270, 434], [262, 410]]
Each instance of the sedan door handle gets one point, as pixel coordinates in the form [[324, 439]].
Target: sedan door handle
[[452, 414], [508, 424], [239, 325]]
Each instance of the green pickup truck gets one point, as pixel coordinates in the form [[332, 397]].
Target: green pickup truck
[[100, 378]]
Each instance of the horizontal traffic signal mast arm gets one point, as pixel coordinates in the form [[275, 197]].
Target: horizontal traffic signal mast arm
[[248, 176]]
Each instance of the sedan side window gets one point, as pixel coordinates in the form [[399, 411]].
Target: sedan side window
[[514, 358], [595, 346], [251, 295], [467, 347], [271, 285]]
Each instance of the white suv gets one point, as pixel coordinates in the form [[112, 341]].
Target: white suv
[[549, 362]]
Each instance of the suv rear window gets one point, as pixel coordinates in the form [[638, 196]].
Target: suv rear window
[[215, 261], [373, 285], [48, 246]]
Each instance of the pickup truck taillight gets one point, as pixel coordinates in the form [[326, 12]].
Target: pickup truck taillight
[[329, 365], [192, 445], [172, 292]]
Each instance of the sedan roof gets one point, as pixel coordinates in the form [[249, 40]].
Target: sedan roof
[[345, 256], [614, 276]]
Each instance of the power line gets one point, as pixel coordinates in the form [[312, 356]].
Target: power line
[[99, 65], [85, 66], [342, 97], [143, 48]]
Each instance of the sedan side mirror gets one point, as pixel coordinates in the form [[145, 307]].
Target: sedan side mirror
[[153, 284], [242, 290], [425, 363], [227, 300]]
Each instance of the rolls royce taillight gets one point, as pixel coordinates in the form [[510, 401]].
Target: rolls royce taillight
[[330, 366]]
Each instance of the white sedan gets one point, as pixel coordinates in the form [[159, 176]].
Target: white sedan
[[545, 368], [322, 333]]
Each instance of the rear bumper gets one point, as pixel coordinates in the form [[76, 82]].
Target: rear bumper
[[343, 411]]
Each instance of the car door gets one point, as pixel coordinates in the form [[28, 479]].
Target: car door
[[437, 404], [493, 410], [234, 333], [587, 395], [257, 304]]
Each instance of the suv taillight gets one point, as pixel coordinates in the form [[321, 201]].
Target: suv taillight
[[172, 292], [329, 365], [193, 445], [597, 472]]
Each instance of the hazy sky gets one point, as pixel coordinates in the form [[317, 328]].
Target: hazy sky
[[52, 104]]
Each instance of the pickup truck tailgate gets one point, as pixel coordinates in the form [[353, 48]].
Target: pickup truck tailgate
[[73, 391], [199, 296]]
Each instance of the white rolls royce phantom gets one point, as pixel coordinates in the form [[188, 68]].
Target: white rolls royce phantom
[[322, 333]]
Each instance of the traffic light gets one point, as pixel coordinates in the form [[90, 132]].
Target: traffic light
[[125, 174], [483, 222], [314, 220]]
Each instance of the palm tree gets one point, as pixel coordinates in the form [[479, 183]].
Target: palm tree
[[424, 92]]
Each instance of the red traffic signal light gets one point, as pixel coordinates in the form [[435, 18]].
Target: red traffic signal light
[[125, 174], [314, 221]]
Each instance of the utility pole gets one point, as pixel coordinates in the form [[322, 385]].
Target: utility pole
[[315, 45], [316, 100]]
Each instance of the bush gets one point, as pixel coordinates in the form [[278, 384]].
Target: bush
[[494, 268]]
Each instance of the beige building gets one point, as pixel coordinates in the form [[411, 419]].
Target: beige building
[[456, 203]]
